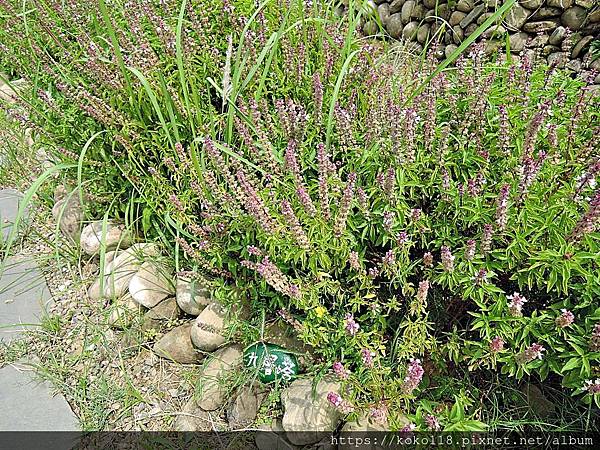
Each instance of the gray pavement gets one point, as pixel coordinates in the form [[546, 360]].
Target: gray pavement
[[28, 404]]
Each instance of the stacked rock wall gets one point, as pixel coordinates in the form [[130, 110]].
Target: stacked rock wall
[[560, 31]]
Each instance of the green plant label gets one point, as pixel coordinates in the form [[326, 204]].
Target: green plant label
[[272, 362]]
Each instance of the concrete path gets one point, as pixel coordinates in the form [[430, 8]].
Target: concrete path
[[27, 404], [9, 206], [24, 297], [30, 405]]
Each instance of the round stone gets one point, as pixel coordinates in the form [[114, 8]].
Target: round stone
[[272, 362], [573, 18]]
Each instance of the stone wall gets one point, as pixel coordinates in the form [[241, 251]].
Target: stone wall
[[560, 31]]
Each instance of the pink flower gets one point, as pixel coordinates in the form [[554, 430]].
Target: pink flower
[[595, 339], [388, 220], [254, 250], [497, 344], [334, 398], [340, 370], [414, 375], [565, 319], [379, 413], [428, 259], [480, 277], [593, 387], [415, 214], [422, 292], [470, 250], [351, 325], [353, 260], [389, 258], [502, 207], [345, 205], [432, 422], [515, 306], [486, 238], [447, 259], [367, 357], [409, 427], [339, 403], [534, 351]]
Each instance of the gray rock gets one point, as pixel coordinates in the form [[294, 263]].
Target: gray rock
[[470, 29], [443, 11], [124, 311], [410, 31], [394, 27], [587, 4], [363, 424], [581, 46], [465, 5], [517, 16], [449, 49], [407, 9], [532, 4], [423, 33], [558, 59], [383, 11], [151, 284], [272, 437], [575, 65], [518, 41], [209, 328], [548, 49], [457, 34], [24, 296], [10, 201], [496, 31], [564, 4], [119, 272], [544, 13], [31, 405], [396, 6], [594, 17], [412, 10], [283, 335], [543, 26], [539, 41], [574, 17], [68, 212], [430, 4], [243, 410], [557, 36], [536, 400], [308, 415], [370, 28], [116, 236], [474, 14], [192, 295], [193, 418], [214, 376], [11, 92], [456, 17], [165, 310], [177, 346]]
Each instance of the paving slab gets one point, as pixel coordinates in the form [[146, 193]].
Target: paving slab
[[9, 206], [24, 297], [29, 404]]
